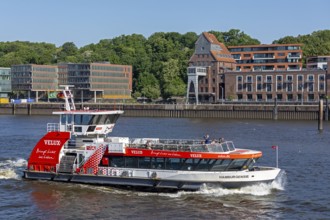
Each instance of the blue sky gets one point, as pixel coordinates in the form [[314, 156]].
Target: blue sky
[[88, 21]]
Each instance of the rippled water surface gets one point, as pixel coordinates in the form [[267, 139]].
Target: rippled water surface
[[302, 190]]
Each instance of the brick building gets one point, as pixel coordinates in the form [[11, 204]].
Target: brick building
[[298, 86], [267, 57], [206, 68], [258, 73]]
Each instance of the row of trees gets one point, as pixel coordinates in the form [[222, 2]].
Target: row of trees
[[159, 62]]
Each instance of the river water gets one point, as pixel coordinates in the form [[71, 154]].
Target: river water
[[302, 191]]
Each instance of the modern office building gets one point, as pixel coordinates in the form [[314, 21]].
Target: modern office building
[[317, 62], [206, 68], [5, 82], [267, 57], [90, 80], [103, 80], [33, 80]]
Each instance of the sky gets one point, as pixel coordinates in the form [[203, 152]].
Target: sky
[[85, 22]]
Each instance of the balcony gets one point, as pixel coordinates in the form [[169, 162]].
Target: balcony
[[263, 56], [293, 56]]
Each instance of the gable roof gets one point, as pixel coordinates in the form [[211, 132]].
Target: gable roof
[[222, 55]]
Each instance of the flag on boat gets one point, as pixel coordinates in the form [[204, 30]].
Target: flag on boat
[[274, 147], [52, 95]]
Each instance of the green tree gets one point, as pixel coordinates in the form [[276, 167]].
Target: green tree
[[148, 86], [68, 53], [235, 37], [171, 83]]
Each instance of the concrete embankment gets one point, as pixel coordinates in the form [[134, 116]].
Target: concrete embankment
[[281, 112]]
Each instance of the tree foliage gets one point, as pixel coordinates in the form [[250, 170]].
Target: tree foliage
[[159, 62], [314, 44]]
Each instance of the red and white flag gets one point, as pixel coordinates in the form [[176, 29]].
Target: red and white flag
[[274, 147]]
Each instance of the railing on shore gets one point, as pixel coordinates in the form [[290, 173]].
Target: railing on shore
[[230, 111]]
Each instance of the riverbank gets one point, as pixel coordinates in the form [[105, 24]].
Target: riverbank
[[234, 111]]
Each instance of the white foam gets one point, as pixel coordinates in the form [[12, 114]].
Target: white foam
[[9, 169]]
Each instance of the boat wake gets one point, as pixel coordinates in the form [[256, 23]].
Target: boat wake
[[10, 169]]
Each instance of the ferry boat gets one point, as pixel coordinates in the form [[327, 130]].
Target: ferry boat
[[79, 149]]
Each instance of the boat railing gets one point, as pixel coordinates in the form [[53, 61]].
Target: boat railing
[[225, 146], [53, 127]]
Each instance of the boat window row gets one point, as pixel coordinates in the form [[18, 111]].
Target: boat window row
[[89, 119], [216, 147], [191, 164]]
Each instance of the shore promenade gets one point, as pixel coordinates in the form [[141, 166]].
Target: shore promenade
[[233, 111]]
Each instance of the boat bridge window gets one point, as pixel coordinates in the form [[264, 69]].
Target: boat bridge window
[[95, 119], [66, 119]]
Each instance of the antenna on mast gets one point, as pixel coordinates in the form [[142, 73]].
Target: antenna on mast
[[68, 96]]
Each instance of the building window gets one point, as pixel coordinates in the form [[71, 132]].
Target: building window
[[279, 97], [281, 54], [259, 87], [310, 78], [289, 97], [239, 78], [310, 97], [321, 86], [279, 87], [249, 79], [321, 77], [239, 97], [300, 78], [239, 87], [289, 87], [289, 78], [269, 87], [311, 87], [279, 78], [268, 79], [259, 78], [300, 86], [249, 97], [269, 97], [299, 97], [249, 87], [259, 97]]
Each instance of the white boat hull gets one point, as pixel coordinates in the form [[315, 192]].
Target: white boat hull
[[163, 179]]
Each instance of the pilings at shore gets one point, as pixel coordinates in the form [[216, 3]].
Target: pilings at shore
[[239, 111]]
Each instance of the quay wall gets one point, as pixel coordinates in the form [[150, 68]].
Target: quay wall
[[239, 111]]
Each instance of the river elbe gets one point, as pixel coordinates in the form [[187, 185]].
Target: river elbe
[[302, 191]]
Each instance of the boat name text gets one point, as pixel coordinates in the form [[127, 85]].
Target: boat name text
[[52, 142], [233, 176]]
